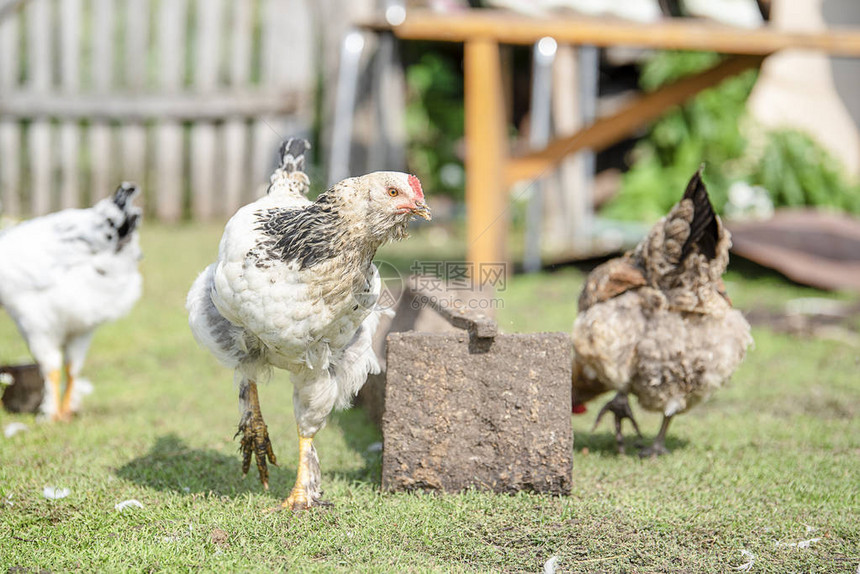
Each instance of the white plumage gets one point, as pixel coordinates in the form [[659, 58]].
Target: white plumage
[[294, 287], [64, 274]]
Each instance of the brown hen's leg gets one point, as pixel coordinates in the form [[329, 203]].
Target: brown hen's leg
[[620, 407], [658, 447], [255, 434], [306, 492]]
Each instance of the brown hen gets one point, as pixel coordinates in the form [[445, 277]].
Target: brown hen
[[657, 323]]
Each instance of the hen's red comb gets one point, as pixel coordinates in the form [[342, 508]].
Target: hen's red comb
[[415, 184]]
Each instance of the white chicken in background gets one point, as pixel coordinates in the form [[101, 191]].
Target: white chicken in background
[[64, 274], [294, 287]]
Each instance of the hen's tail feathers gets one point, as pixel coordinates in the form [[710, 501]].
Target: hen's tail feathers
[[704, 230], [122, 198], [290, 179], [292, 154]]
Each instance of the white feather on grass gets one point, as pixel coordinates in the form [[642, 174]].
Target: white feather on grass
[[131, 503], [746, 566], [55, 493], [12, 429], [800, 544]]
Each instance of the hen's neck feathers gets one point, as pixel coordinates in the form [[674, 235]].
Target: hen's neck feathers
[[338, 225]]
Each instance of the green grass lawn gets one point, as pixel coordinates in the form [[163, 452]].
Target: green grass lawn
[[770, 461]]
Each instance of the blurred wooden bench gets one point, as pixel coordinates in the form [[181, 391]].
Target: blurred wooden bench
[[489, 167]]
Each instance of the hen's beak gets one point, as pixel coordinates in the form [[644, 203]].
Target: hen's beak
[[421, 210]]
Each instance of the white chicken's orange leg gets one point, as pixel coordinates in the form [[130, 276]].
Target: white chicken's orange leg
[[306, 492], [65, 407], [54, 380]]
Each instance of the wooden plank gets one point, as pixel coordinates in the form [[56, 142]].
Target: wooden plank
[[205, 173], [172, 24], [486, 206], [569, 200], [39, 132], [268, 13], [145, 107], [101, 71], [293, 34], [133, 132], [235, 133], [10, 168], [644, 109], [677, 34], [10, 131], [70, 134], [8, 7], [265, 135], [265, 131]]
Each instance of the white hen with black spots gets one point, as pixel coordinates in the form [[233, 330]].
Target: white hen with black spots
[[294, 287], [64, 274]]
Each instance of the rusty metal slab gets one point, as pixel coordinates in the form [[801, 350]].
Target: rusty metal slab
[[813, 248]]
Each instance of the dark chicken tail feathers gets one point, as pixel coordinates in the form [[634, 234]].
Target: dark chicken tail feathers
[[123, 195], [292, 154], [122, 198], [704, 230]]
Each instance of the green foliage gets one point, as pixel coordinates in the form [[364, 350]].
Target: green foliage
[[434, 122], [710, 130], [705, 130], [797, 171]]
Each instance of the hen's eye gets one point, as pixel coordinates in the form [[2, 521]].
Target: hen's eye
[[393, 191]]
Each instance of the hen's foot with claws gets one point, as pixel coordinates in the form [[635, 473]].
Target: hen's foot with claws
[[306, 493], [658, 447], [255, 442], [620, 407], [64, 417], [300, 500], [655, 450]]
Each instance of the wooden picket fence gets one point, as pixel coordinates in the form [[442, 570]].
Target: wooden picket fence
[[187, 97]]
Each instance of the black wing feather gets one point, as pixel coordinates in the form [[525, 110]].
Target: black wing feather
[[308, 235]]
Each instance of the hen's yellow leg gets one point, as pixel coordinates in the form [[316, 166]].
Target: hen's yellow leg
[[54, 380], [65, 406], [306, 492]]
